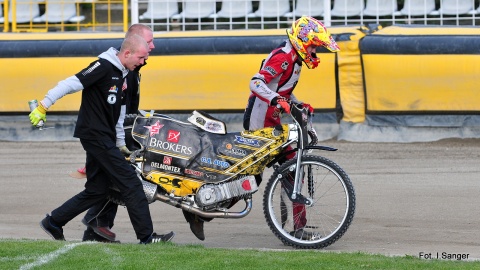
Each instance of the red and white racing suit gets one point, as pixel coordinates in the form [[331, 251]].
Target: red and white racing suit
[[278, 76]]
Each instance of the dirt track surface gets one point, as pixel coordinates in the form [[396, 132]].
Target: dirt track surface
[[411, 198]]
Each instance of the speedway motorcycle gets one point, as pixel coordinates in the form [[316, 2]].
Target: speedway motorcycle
[[201, 168]]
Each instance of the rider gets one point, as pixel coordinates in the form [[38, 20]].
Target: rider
[[273, 85]]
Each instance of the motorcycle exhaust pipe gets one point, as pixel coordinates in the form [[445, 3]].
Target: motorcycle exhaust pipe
[[196, 211], [152, 195]]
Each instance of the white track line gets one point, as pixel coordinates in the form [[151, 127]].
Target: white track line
[[52, 255]]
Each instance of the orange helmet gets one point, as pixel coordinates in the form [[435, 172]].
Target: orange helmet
[[308, 31]]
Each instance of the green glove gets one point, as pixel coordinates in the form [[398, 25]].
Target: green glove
[[125, 150], [37, 115]]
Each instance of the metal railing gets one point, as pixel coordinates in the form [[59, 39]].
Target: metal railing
[[194, 15], [64, 15]]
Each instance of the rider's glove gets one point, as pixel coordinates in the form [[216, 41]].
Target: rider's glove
[[282, 102], [39, 113], [309, 107], [125, 150]]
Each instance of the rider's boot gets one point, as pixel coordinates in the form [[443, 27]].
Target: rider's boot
[[196, 224]]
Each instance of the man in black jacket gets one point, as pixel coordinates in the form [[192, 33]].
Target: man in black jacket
[[100, 218], [104, 87]]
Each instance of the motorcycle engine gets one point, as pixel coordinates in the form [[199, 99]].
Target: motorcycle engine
[[210, 194]]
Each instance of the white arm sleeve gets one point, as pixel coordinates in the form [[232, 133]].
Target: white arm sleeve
[[68, 86], [119, 127], [261, 90]]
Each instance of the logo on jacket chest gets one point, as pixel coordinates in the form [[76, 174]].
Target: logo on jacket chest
[[112, 97]]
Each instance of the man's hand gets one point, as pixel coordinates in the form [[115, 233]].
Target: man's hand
[[282, 102], [309, 107], [125, 150], [39, 113]]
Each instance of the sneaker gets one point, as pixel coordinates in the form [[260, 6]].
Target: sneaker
[[90, 235], [102, 231], [55, 232], [157, 238], [305, 235]]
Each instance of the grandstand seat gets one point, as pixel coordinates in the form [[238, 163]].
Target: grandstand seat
[[271, 9], [417, 8], [312, 8], [234, 9], [347, 8], [455, 7], [26, 11], [196, 9], [163, 9], [380, 7], [60, 11]]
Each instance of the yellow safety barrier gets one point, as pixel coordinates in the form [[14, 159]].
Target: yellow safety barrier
[[169, 82]]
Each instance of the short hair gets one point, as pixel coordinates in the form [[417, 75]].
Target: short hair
[[133, 43], [137, 29]]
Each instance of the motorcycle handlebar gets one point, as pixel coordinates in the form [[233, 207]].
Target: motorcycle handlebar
[[290, 103]]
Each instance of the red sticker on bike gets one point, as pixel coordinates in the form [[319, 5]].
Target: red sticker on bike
[[154, 129], [167, 160], [173, 136]]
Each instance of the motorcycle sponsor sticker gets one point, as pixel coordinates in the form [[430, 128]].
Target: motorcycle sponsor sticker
[[200, 120], [208, 125], [165, 167], [155, 128], [167, 160], [173, 136], [246, 141], [171, 147], [174, 182], [212, 126], [211, 176], [216, 162], [234, 151], [193, 172]]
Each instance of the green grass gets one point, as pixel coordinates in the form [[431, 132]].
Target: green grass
[[43, 254]]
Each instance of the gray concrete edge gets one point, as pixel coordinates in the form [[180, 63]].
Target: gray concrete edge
[[61, 128]]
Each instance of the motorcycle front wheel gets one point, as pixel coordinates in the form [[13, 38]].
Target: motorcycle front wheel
[[325, 218]]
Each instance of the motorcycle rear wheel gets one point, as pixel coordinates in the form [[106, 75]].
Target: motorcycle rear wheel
[[327, 218]]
